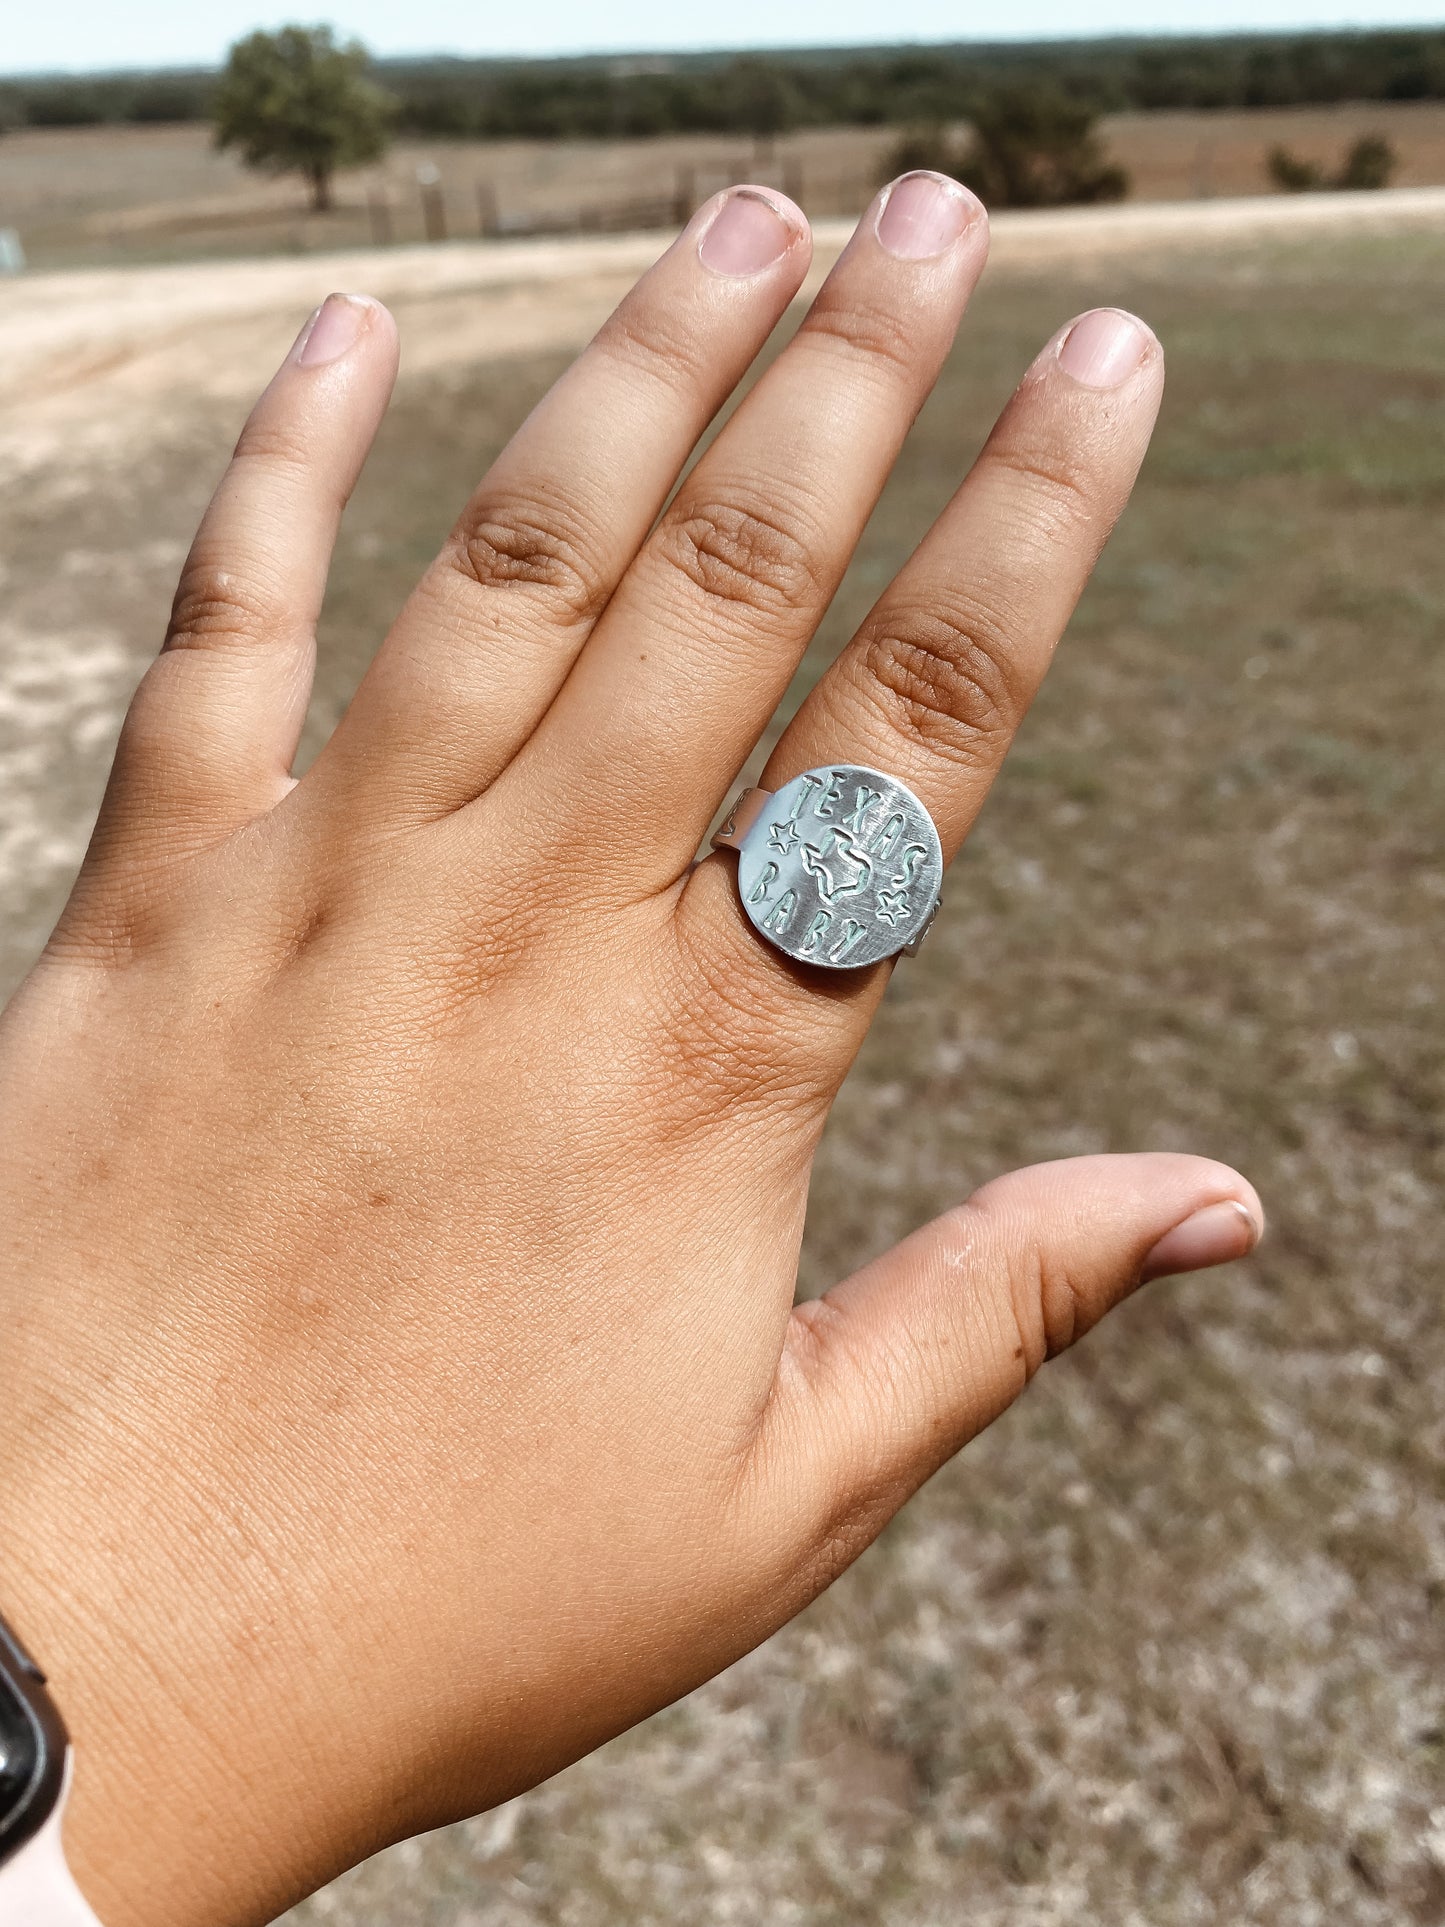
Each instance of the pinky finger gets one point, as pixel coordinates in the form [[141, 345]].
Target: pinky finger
[[213, 727]]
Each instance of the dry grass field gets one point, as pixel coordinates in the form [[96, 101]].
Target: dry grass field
[[93, 195], [1165, 1648]]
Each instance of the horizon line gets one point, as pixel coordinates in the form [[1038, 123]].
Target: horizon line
[[1355, 30]]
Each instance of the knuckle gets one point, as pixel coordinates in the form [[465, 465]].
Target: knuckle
[[867, 331], [721, 1053], [1047, 1306], [651, 343], [738, 1033], [1040, 1296], [732, 553], [94, 933], [1029, 1310], [540, 547], [945, 678], [274, 446], [1023, 1301], [1062, 496], [215, 609]]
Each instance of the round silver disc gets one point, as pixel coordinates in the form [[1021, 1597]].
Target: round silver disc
[[842, 867]]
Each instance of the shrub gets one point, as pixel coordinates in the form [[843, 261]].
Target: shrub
[[67, 104], [1029, 147], [1370, 163], [1291, 175], [166, 102], [1036, 147], [928, 147]]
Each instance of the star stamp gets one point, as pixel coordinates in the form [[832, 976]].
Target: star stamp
[[841, 868]]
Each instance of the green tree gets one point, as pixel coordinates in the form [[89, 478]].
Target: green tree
[[926, 146], [1030, 147], [1034, 146], [296, 102], [758, 95]]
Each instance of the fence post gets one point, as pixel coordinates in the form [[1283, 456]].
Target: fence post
[[433, 206], [684, 193], [489, 220], [378, 207]]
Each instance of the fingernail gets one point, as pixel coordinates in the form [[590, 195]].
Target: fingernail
[[335, 327], [922, 214], [1213, 1236], [1104, 348], [747, 234]]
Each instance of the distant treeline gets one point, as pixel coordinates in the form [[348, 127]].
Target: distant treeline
[[765, 94]]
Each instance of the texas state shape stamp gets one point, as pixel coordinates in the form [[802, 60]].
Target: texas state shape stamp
[[842, 867]]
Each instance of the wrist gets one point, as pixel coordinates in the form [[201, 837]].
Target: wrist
[[139, 1834]]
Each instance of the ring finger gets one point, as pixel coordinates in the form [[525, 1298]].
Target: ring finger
[[934, 685]]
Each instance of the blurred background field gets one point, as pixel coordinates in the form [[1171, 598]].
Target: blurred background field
[[83, 196], [122, 168], [112, 195], [1167, 1645]]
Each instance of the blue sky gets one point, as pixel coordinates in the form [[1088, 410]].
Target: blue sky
[[145, 33]]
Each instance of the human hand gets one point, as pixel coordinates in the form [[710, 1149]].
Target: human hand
[[403, 1170]]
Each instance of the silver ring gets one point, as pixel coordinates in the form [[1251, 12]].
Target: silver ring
[[842, 866]]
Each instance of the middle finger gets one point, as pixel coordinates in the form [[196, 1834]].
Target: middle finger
[[704, 633]]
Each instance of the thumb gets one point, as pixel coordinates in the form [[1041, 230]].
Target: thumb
[[886, 1376]]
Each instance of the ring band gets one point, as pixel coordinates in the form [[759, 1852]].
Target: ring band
[[841, 867]]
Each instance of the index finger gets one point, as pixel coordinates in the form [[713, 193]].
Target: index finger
[[493, 628]]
